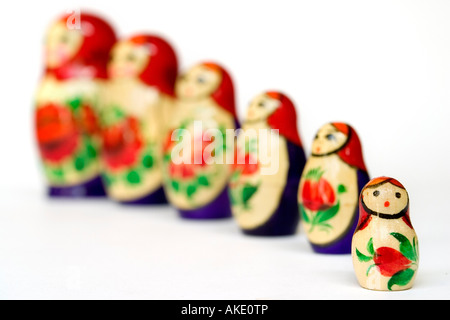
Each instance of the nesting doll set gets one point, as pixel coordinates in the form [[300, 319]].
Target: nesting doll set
[[115, 118]]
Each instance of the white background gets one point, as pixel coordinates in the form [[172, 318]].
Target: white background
[[381, 66]]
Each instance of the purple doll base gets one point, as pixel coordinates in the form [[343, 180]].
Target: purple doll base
[[283, 222], [285, 219], [90, 189], [155, 198], [220, 208], [342, 246]]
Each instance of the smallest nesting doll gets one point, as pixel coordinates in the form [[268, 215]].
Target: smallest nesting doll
[[385, 248], [268, 165]]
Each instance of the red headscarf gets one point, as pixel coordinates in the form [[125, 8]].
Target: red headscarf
[[364, 216], [351, 152], [224, 94], [162, 70], [92, 57], [284, 118]]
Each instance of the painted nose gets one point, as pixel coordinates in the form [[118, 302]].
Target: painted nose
[[387, 204]]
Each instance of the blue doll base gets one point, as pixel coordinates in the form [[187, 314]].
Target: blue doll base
[[90, 189], [220, 208]]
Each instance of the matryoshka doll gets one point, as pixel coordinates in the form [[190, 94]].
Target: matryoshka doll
[[67, 102], [385, 248], [330, 185], [268, 167], [138, 99], [196, 175]]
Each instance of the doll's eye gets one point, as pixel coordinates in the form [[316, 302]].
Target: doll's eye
[[201, 80], [398, 195], [64, 39], [261, 104], [376, 193], [131, 57], [316, 137], [331, 137]]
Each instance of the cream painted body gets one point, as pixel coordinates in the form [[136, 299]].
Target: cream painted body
[[51, 90], [210, 115], [379, 230], [266, 200], [149, 106], [336, 173]]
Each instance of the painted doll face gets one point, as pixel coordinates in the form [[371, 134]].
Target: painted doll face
[[128, 60], [199, 82], [62, 45], [385, 198], [261, 108], [328, 140]]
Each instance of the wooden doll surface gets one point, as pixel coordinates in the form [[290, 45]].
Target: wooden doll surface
[[328, 197], [386, 199], [128, 99], [252, 211], [188, 185], [51, 90], [380, 244], [77, 98], [61, 44]]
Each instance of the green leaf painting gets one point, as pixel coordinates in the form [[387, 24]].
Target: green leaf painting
[[401, 278], [406, 247], [147, 161], [133, 177], [303, 214], [320, 218], [362, 257], [399, 266]]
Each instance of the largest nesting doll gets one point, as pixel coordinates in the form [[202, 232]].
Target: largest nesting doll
[[196, 172], [66, 114], [138, 99], [333, 177], [267, 168]]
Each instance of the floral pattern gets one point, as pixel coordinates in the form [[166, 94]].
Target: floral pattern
[[67, 138], [121, 144], [125, 153], [245, 165], [398, 265], [320, 199], [189, 177], [56, 131]]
